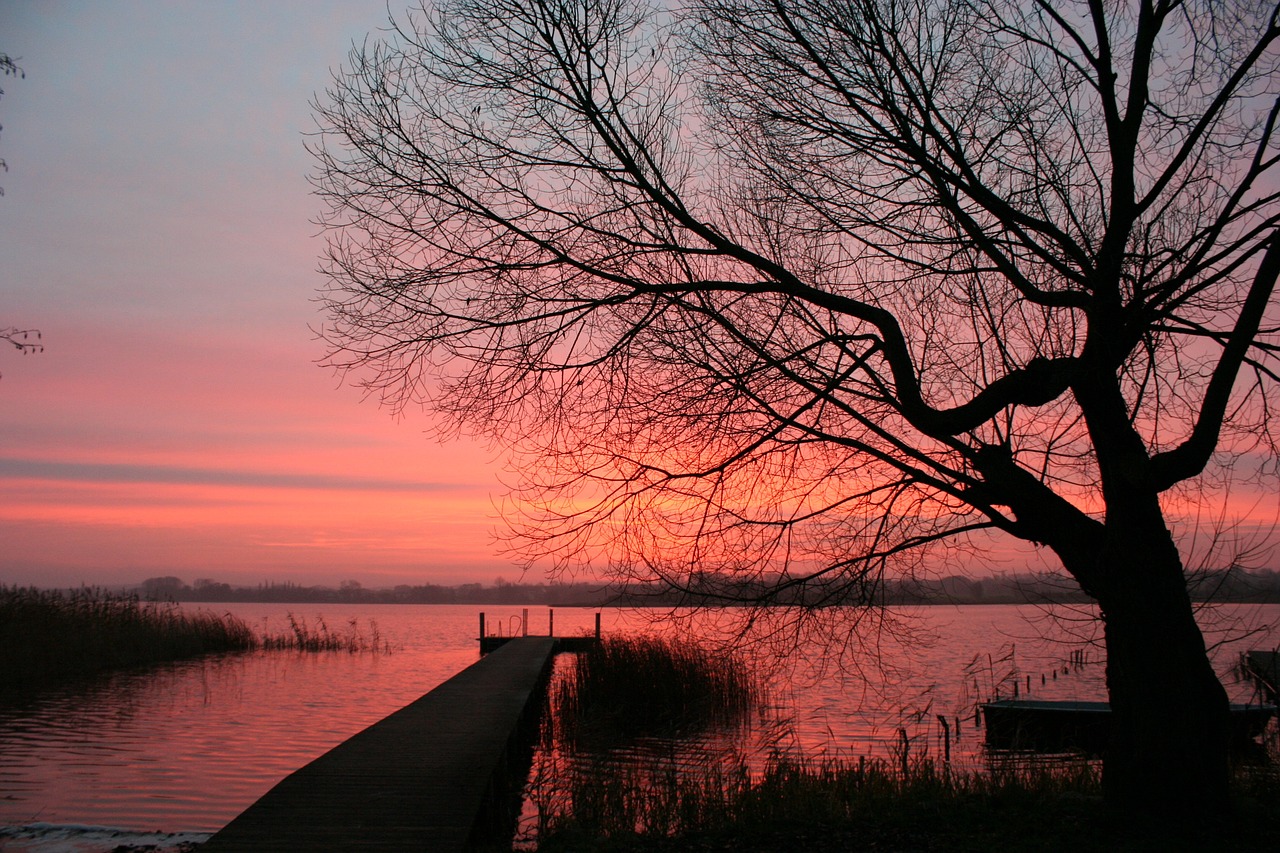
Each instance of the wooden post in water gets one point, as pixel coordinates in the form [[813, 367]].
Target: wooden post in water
[[551, 622], [597, 625], [482, 625], [524, 623]]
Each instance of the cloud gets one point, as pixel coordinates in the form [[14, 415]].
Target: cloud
[[110, 472]]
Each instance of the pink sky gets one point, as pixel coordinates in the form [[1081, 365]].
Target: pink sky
[[156, 227]]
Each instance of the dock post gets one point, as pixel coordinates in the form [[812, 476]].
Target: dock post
[[482, 625], [597, 625], [524, 623], [551, 622]]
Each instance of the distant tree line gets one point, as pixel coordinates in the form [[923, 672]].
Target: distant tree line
[[353, 592], [1234, 584]]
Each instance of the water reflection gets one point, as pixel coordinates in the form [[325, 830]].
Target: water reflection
[[918, 710], [188, 746]]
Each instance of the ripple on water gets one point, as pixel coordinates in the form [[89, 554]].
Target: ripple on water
[[189, 746]]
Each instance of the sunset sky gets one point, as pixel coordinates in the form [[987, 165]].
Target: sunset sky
[[156, 227]]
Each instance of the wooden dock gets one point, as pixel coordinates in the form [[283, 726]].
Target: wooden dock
[[435, 775], [492, 642]]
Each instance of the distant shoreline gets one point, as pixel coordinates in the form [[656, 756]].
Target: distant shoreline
[[1234, 585]]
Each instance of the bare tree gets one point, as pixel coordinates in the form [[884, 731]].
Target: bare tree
[[788, 290], [23, 340], [8, 68]]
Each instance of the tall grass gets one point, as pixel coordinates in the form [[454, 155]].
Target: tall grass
[[53, 635], [637, 802], [869, 804], [47, 635], [319, 637], [637, 685], [613, 756], [626, 789]]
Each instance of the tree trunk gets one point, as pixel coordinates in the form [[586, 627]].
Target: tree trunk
[[1169, 723]]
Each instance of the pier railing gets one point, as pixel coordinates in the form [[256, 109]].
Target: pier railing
[[492, 641]]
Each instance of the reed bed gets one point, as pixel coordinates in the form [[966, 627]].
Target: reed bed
[[319, 637], [626, 788], [613, 743], [868, 804], [50, 634], [636, 803], [53, 635], [638, 685]]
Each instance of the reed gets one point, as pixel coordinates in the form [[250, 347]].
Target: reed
[[47, 635], [627, 686], [868, 804], [52, 635], [635, 786], [319, 637]]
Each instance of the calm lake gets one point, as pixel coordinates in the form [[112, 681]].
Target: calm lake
[[187, 747]]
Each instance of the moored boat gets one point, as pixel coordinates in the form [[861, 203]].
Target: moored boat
[[1049, 726]]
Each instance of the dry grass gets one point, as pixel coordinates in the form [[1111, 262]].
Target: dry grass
[[51, 635], [604, 793], [319, 637], [641, 685]]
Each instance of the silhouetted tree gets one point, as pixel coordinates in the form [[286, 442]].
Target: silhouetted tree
[[8, 68], [24, 340], [167, 588], [788, 290]]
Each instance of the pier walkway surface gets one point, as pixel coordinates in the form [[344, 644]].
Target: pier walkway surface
[[424, 778]]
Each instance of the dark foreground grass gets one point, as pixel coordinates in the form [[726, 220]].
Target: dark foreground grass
[[637, 686], [869, 805], [48, 636]]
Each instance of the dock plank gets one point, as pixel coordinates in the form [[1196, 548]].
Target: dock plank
[[417, 780]]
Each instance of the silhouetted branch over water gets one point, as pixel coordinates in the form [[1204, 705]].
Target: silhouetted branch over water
[[805, 293]]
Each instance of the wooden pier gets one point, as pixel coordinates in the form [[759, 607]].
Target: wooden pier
[[436, 775], [492, 642]]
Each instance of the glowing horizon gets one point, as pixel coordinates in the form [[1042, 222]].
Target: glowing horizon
[[156, 228]]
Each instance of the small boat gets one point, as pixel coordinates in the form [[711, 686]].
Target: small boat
[[1045, 726]]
